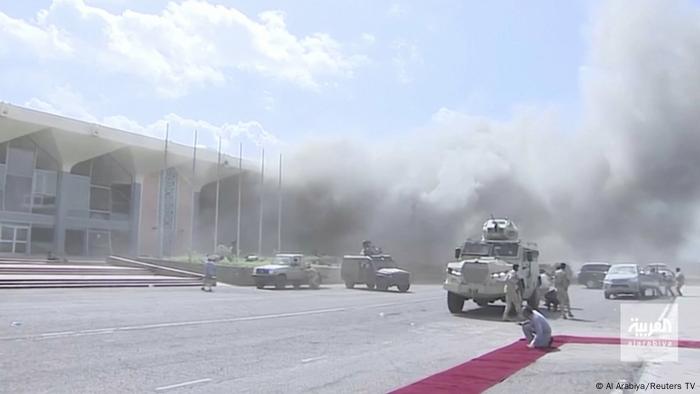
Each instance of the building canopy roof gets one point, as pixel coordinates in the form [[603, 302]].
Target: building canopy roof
[[72, 141]]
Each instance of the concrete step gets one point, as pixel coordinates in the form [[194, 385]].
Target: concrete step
[[39, 277], [98, 284], [69, 270], [44, 274]]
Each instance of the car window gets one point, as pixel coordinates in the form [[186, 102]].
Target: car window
[[625, 269]]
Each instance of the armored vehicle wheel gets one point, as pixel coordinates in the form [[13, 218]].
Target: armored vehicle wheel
[[370, 286], [260, 285], [349, 285], [404, 287], [590, 284], [455, 302], [280, 282], [607, 295], [296, 285], [382, 285], [315, 281]]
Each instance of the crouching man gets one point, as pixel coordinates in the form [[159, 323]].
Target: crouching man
[[536, 329]]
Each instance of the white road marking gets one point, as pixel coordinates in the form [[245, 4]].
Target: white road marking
[[666, 310], [112, 330], [649, 371], [191, 382], [49, 334], [308, 360]]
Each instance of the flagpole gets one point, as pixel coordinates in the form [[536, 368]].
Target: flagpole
[[279, 209], [238, 211], [216, 209], [260, 221], [194, 202], [161, 224]]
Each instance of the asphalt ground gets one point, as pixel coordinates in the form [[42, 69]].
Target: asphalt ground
[[244, 340]]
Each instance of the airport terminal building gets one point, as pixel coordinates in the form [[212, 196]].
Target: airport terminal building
[[74, 188]]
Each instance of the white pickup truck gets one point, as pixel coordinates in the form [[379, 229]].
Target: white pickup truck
[[628, 279]]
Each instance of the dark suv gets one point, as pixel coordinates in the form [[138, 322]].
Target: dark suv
[[592, 274]]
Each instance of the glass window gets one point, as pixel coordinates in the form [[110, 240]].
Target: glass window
[[121, 199], [44, 195], [2, 185], [101, 173], [21, 247], [120, 242], [505, 250], [18, 192], [99, 198], [6, 247], [42, 240], [22, 234], [75, 242], [20, 162], [44, 161], [81, 168], [3, 152], [98, 243], [8, 233]]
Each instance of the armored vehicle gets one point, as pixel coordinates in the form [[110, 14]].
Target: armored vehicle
[[375, 271], [287, 268], [480, 267]]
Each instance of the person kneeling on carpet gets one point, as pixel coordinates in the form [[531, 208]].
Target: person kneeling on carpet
[[536, 329]]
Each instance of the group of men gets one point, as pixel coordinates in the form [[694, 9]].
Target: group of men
[[668, 280], [556, 293]]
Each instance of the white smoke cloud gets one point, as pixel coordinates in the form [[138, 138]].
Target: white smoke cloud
[[623, 186]]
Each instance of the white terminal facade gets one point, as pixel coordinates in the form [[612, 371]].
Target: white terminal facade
[[75, 188]]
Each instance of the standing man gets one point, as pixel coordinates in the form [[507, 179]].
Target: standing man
[[667, 279], [680, 281], [536, 329], [544, 286], [561, 283], [210, 273], [512, 289]]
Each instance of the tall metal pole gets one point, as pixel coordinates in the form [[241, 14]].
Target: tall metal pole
[[260, 222], [238, 211], [279, 208], [216, 209], [161, 200], [194, 187]]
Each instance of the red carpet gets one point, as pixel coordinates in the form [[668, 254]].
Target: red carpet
[[477, 375]]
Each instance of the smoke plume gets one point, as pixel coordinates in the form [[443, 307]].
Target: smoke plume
[[623, 186]]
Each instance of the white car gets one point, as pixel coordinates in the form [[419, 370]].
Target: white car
[[627, 279], [287, 268]]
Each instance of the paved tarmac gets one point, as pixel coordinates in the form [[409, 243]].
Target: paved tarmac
[[245, 340]]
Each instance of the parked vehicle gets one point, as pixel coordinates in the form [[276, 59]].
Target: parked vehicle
[[592, 274], [287, 269], [658, 267], [628, 279], [379, 271]]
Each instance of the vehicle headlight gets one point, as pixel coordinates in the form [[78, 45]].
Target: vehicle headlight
[[454, 271], [498, 275], [607, 282]]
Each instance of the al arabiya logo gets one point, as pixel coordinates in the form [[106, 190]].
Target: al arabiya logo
[[649, 329]]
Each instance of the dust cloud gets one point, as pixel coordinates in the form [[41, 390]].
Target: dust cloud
[[623, 185]]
